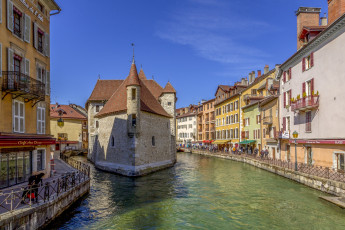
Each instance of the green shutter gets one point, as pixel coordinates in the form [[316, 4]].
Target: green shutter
[[27, 28], [10, 15]]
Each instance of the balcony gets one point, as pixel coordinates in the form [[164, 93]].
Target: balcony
[[22, 85], [267, 120], [310, 102]]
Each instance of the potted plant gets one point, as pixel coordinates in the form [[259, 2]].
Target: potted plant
[[298, 97], [304, 94]]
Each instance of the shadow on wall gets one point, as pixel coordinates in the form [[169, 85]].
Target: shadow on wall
[[300, 117]]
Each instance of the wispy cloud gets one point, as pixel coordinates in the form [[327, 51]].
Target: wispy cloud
[[214, 32]]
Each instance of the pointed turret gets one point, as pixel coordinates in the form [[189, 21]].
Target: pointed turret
[[133, 78], [169, 88], [142, 74]]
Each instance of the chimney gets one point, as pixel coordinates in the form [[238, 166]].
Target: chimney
[[324, 20], [253, 77], [266, 69], [336, 8], [306, 16], [259, 73]]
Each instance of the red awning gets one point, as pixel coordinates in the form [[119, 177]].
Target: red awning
[[10, 141]]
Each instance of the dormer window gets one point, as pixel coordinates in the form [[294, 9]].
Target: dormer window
[[134, 94]]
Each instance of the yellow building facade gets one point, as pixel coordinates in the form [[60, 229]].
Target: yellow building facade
[[25, 139], [227, 112]]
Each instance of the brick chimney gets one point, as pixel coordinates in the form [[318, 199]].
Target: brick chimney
[[259, 73], [324, 21], [307, 16], [336, 8], [266, 69]]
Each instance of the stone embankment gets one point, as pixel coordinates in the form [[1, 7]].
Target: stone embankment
[[333, 187], [54, 197]]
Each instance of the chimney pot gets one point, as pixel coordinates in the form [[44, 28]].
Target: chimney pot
[[266, 69], [259, 73]]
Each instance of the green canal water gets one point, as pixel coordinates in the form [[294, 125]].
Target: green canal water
[[201, 193]]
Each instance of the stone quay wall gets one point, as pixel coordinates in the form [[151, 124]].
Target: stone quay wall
[[325, 185], [40, 215]]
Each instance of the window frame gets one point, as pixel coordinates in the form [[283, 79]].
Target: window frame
[[43, 156], [18, 130]]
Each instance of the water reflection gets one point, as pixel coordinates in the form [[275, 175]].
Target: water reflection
[[204, 193]]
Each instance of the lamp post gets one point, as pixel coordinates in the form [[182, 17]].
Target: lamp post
[[295, 136]]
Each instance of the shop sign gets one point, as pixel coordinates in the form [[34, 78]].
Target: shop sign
[[285, 135], [26, 142], [35, 12], [330, 142]]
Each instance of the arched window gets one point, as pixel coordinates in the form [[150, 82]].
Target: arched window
[[153, 141]]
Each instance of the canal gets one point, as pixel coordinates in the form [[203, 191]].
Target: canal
[[201, 193]]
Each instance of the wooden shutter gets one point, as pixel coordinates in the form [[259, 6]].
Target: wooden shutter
[[35, 35], [43, 116], [248, 121], [290, 74], [254, 134], [289, 100], [10, 15], [0, 51], [46, 44], [312, 59], [244, 122], [284, 99], [284, 123], [312, 85], [48, 83], [284, 77], [0, 11], [259, 133], [27, 67], [274, 132], [10, 60], [27, 28], [303, 64], [303, 88]]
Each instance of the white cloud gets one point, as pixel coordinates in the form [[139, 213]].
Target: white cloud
[[214, 32]]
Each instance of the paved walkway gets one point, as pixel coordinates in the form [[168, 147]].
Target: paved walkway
[[11, 197]]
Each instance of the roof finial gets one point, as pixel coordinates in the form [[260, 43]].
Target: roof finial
[[133, 62], [99, 76]]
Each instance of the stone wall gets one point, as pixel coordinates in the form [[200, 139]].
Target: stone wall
[[39, 216], [92, 131], [325, 185]]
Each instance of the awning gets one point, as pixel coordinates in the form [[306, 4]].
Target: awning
[[207, 141], [221, 142], [21, 141], [247, 142]]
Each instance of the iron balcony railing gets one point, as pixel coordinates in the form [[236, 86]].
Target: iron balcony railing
[[19, 83], [308, 102], [267, 120]]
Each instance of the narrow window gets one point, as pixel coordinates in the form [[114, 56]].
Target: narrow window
[[340, 161], [40, 7], [112, 141], [40, 41], [169, 103], [308, 121], [153, 141], [134, 120], [16, 22], [97, 124], [134, 94], [97, 108]]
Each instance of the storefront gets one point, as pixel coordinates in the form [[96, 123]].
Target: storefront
[[21, 156], [248, 145]]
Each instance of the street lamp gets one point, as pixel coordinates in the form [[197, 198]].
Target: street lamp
[[295, 136]]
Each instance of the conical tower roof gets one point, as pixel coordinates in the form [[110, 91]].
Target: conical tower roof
[[142, 75], [169, 88], [133, 78]]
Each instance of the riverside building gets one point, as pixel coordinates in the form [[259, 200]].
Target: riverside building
[[187, 125], [206, 122], [25, 140], [312, 94], [133, 129]]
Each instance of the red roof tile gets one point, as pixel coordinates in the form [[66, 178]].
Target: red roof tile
[[142, 75], [133, 78], [104, 89], [68, 112], [169, 88]]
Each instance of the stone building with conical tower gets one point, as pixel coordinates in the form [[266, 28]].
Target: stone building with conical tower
[[132, 125]]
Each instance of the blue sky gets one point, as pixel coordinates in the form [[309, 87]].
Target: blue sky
[[194, 44]]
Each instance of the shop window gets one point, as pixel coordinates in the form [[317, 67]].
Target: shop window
[[340, 161], [41, 159]]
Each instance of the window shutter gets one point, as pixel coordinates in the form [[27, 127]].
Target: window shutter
[[38, 114], [44, 159], [284, 123], [284, 77], [248, 121], [35, 35], [289, 100], [259, 133], [43, 121], [274, 131], [48, 83], [244, 122], [312, 59], [21, 118], [10, 15], [46, 44], [290, 74], [303, 88], [303, 64], [312, 85], [27, 67], [27, 28], [0, 11], [0, 50], [284, 99], [10, 60]]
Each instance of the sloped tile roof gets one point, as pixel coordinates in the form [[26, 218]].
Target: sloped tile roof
[[142, 75], [104, 89], [169, 88], [68, 112]]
